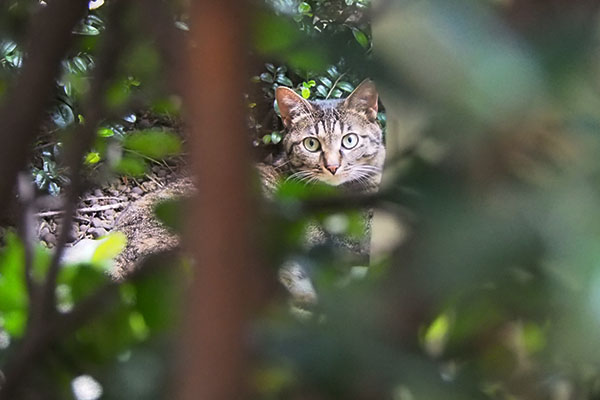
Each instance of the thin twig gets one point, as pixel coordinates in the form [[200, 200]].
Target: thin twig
[[85, 210], [333, 86], [102, 198], [142, 155]]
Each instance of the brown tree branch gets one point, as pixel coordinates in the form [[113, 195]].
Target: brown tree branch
[[212, 351], [42, 312], [83, 139]]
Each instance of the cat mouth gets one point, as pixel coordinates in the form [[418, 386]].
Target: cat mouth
[[333, 180]]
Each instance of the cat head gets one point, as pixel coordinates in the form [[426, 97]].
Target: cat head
[[337, 142]]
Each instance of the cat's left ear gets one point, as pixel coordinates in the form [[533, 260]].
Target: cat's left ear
[[364, 99], [290, 105]]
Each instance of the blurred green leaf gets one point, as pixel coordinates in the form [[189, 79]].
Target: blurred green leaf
[[113, 245], [326, 81], [153, 143], [265, 77], [305, 93], [322, 90], [92, 158], [170, 213], [62, 115], [13, 294], [273, 34], [345, 86], [304, 8], [284, 80], [360, 37], [132, 166]]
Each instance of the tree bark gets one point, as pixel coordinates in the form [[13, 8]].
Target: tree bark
[[212, 348]]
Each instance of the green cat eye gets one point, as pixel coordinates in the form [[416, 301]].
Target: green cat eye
[[350, 140], [311, 144]]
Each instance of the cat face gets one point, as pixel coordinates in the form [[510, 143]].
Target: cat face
[[337, 142]]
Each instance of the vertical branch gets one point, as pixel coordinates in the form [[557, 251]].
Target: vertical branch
[[212, 349], [42, 312], [94, 109]]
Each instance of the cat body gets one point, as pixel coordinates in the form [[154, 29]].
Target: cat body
[[336, 142]]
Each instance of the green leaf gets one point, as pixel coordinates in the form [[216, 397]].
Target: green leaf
[[266, 77], [62, 115], [275, 137], [167, 106], [13, 295], [326, 81], [112, 245], [305, 93], [170, 213], [53, 189], [284, 80], [85, 281], [360, 37], [158, 298], [292, 190], [273, 33], [7, 47], [14, 322], [80, 64], [311, 58], [266, 139], [270, 68], [345, 86], [117, 94], [138, 326], [304, 8], [436, 335], [92, 158], [131, 166], [322, 90], [336, 93], [333, 72], [153, 143]]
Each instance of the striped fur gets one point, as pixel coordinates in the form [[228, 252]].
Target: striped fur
[[328, 121]]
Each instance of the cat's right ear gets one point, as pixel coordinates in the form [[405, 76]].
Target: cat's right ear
[[290, 104]]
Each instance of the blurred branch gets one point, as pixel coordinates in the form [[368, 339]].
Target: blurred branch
[[170, 40], [83, 138], [42, 307], [24, 108], [212, 351]]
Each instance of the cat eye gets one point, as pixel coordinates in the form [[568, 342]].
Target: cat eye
[[311, 144], [349, 141]]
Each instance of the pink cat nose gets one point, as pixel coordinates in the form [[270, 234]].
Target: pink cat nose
[[332, 168]]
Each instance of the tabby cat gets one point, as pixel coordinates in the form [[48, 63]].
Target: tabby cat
[[336, 142]]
